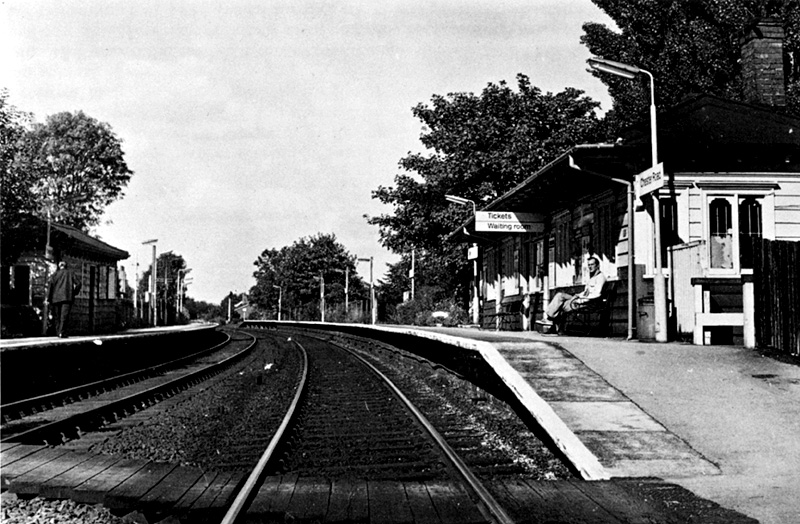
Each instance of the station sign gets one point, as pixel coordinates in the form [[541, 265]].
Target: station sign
[[650, 180], [508, 222]]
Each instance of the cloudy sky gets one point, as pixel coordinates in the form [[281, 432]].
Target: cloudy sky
[[251, 124]]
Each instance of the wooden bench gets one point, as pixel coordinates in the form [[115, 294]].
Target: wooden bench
[[510, 317], [593, 318]]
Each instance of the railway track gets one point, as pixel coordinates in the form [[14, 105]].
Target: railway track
[[61, 416], [348, 420]]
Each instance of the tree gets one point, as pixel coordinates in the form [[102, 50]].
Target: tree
[[199, 309], [690, 46], [72, 166], [18, 203], [481, 146], [296, 269]]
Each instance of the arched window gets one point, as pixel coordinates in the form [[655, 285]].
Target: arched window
[[721, 233], [750, 227]]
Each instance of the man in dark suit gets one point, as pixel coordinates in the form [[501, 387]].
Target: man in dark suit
[[64, 287]]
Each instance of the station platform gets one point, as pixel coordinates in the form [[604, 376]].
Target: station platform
[[721, 421], [29, 342]]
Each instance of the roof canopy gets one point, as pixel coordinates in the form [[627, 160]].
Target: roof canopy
[[703, 134], [581, 172], [73, 241]]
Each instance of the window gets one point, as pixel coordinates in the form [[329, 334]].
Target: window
[[750, 228], [510, 265], [490, 273], [720, 233], [534, 265], [733, 222]]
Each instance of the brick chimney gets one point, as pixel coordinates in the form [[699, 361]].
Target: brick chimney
[[763, 78]]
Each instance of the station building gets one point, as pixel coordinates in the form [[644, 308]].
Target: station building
[[732, 173], [101, 306]]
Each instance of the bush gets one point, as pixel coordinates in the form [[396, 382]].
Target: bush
[[419, 312]]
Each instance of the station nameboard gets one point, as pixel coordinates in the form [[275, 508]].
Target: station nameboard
[[508, 222], [650, 180]]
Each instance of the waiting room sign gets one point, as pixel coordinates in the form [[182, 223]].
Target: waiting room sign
[[508, 222]]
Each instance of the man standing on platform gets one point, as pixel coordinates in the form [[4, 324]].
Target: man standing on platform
[[564, 302], [64, 287]]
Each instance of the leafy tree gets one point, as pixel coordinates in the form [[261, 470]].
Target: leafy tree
[[199, 309], [72, 166], [480, 147], [18, 203], [690, 46], [296, 269]]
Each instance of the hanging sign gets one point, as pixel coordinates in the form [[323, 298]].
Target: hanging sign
[[508, 222], [650, 180]]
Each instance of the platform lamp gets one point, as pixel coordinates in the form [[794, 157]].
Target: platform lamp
[[280, 296], [153, 282], [372, 312], [659, 287], [476, 301]]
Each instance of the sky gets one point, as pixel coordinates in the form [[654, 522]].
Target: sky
[[252, 124]]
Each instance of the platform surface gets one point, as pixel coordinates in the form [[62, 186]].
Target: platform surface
[[721, 421]]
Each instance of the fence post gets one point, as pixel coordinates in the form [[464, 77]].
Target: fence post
[[748, 301]]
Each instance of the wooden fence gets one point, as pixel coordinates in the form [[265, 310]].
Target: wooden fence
[[776, 278]]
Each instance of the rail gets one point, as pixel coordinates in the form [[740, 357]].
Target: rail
[[17, 409], [76, 424], [252, 483]]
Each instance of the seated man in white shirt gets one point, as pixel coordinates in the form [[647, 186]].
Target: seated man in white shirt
[[564, 302]]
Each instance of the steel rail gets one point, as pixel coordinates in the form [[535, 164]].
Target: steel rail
[[17, 407], [86, 419], [487, 504], [242, 499]]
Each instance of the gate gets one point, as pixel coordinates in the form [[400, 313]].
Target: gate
[[776, 278]]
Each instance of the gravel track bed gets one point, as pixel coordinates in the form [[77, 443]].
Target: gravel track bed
[[350, 424], [213, 425], [485, 431]]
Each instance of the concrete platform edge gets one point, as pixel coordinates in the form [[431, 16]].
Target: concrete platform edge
[[579, 456]]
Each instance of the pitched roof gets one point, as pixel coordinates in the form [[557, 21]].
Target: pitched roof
[[84, 242]]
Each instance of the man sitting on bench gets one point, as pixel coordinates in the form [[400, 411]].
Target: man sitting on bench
[[564, 302]]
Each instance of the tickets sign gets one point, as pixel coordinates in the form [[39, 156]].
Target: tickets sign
[[508, 222]]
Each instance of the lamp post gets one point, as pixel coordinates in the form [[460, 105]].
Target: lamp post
[[476, 301], [48, 258], [280, 296], [153, 283], [373, 316], [412, 274], [659, 287]]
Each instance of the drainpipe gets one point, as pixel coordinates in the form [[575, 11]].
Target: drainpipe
[[631, 250]]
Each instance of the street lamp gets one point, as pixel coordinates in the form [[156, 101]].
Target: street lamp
[[461, 201], [476, 302], [659, 287], [280, 295], [373, 316], [153, 282]]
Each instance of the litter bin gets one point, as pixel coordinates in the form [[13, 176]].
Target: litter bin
[[646, 319]]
